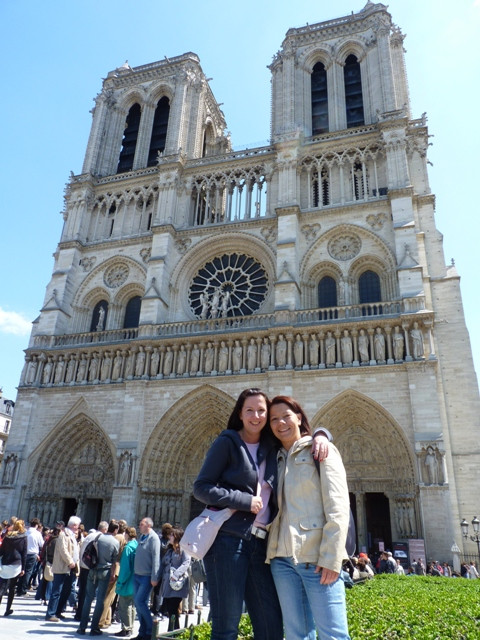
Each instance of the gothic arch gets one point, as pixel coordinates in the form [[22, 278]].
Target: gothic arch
[[76, 461], [353, 46], [176, 449], [317, 253], [319, 271], [212, 247], [160, 90], [129, 98], [309, 58], [376, 453]]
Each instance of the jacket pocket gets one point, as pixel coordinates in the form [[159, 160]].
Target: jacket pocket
[[312, 523]]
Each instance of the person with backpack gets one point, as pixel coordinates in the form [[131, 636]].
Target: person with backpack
[[307, 538], [84, 568], [101, 573]]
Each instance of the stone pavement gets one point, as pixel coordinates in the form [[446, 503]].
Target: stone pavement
[[28, 622]]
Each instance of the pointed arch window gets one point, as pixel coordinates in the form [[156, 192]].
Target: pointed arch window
[[353, 92], [327, 292], [159, 130], [319, 99], [99, 316], [129, 142], [369, 287], [132, 313]]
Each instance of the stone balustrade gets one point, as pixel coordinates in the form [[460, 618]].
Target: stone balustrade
[[296, 340]]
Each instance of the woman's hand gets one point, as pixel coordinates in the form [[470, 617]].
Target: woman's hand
[[320, 447], [257, 504], [328, 576]]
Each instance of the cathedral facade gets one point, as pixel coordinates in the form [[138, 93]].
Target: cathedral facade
[[311, 267]]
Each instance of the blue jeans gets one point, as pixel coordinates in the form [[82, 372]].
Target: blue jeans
[[307, 603], [97, 584], [61, 587], [236, 572], [22, 584], [141, 597]]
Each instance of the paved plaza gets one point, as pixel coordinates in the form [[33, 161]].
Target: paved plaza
[[28, 621]]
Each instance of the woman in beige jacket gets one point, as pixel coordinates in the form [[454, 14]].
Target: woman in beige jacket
[[306, 541]]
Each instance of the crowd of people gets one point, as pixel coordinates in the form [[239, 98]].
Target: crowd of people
[[127, 574], [281, 553]]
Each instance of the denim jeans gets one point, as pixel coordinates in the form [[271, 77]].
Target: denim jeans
[[236, 572], [22, 584], [97, 584], [61, 586], [307, 603], [141, 597]]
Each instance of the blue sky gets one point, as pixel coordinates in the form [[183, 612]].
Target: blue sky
[[55, 54]]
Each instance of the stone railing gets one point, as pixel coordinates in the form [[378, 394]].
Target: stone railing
[[284, 340]]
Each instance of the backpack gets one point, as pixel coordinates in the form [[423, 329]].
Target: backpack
[[90, 554], [351, 542], [198, 571]]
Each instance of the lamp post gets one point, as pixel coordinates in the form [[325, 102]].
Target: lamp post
[[476, 531]]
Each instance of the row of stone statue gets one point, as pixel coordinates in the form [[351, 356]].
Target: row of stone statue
[[315, 350]]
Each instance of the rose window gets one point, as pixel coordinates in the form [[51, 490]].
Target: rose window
[[230, 285]]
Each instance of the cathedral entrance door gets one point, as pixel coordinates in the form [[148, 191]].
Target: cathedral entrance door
[[377, 511], [92, 513]]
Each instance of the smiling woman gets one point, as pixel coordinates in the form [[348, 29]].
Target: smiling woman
[[306, 542]]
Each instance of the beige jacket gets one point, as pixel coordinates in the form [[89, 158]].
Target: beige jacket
[[64, 553], [314, 509]]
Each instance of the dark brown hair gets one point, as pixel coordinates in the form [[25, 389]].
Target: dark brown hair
[[305, 429], [234, 421]]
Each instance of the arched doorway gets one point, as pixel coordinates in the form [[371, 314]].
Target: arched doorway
[[73, 474], [380, 469], [175, 452]]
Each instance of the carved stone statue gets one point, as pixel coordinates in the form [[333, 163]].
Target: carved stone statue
[[117, 366], [32, 370], [215, 303], [251, 355], [237, 356], [363, 346], [154, 362], [417, 341], [181, 361], [398, 343], [168, 362], [130, 366], [313, 350], [194, 360], [10, 468], [93, 369], [346, 346], [82, 368], [209, 358], [298, 351], [101, 319], [431, 465], [265, 354], [59, 370], [140, 363], [281, 351], [225, 303], [204, 303], [47, 371], [70, 370], [329, 349], [223, 357], [106, 364], [125, 468], [379, 345]]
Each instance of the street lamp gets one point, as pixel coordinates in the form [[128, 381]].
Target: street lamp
[[476, 531]]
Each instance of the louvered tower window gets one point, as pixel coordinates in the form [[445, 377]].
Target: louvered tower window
[[159, 130], [319, 99], [353, 92], [129, 141]]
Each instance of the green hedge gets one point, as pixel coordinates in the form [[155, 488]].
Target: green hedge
[[402, 608]]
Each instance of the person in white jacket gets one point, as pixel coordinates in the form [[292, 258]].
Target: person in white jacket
[[306, 541]]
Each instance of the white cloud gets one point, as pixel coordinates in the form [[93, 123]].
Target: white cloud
[[14, 323]]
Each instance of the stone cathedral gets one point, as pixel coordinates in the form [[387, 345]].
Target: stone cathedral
[[187, 271]]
